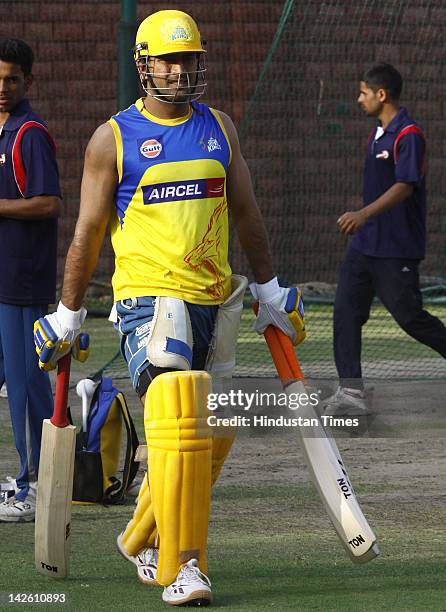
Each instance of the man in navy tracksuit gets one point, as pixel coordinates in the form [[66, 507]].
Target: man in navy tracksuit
[[29, 207], [389, 238]]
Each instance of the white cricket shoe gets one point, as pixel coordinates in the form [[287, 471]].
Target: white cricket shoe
[[146, 562], [191, 587], [346, 402], [8, 489], [14, 511]]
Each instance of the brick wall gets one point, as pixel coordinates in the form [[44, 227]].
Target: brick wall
[[304, 148]]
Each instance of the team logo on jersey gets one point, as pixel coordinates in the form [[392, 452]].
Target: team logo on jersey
[[209, 253], [2, 159], [383, 155], [213, 144], [150, 148], [197, 189]]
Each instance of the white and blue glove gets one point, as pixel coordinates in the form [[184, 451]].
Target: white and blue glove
[[280, 307], [59, 333]]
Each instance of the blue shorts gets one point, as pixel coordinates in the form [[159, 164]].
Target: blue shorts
[[134, 316]]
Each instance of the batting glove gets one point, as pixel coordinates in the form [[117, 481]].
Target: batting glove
[[281, 307], [57, 334]]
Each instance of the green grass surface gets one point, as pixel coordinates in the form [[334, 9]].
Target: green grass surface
[[263, 555], [270, 546]]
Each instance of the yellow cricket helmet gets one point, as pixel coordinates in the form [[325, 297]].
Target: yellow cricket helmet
[[168, 32]]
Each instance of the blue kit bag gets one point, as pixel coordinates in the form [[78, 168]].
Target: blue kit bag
[[98, 448]]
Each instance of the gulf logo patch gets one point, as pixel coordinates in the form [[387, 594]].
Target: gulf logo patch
[[151, 148]]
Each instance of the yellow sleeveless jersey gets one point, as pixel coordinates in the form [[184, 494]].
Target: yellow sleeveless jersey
[[169, 230]]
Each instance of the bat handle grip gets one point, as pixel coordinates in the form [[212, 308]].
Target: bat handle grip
[[282, 351], [60, 417]]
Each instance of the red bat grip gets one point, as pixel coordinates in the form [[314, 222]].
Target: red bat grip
[[60, 417], [282, 352]]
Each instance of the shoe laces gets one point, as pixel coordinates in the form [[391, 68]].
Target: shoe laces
[[191, 571], [149, 556]]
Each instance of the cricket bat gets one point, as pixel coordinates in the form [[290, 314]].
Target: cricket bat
[[55, 484], [324, 461]]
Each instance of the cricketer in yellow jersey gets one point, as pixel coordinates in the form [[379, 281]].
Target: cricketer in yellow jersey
[[165, 172]]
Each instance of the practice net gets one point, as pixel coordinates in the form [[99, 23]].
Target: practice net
[[303, 137]]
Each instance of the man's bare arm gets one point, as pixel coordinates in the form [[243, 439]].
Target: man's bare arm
[[247, 218], [99, 183], [349, 222], [35, 208]]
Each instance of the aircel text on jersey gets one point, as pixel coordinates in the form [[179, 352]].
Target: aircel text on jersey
[[195, 189], [172, 191]]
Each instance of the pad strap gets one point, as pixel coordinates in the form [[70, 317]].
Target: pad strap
[[170, 340]]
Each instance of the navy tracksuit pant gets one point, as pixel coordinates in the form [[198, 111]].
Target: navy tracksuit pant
[[29, 388], [396, 283]]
